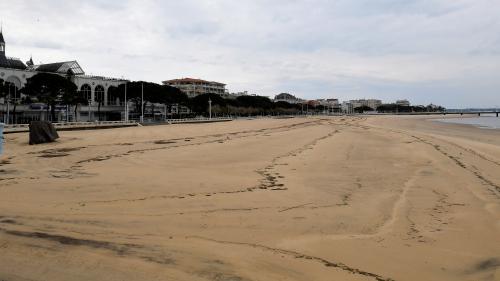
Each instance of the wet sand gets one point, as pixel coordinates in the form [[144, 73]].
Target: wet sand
[[378, 198]]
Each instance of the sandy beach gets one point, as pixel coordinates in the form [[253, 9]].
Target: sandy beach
[[319, 198]]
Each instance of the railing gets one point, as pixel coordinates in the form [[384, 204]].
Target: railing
[[100, 124], [101, 77], [198, 120], [59, 124], [72, 125]]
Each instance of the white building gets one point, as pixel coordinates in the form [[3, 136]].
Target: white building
[[15, 72], [372, 103], [329, 102], [194, 87], [347, 107], [403, 102]]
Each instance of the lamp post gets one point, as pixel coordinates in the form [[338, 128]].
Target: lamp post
[[209, 109], [126, 105], [8, 107], [142, 102], [90, 103]]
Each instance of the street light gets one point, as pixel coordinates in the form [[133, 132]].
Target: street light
[[126, 105], [8, 106], [209, 109], [142, 102], [90, 103]]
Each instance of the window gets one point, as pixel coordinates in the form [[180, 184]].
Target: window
[[99, 94], [113, 96], [86, 91]]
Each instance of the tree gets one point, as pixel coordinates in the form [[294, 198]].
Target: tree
[[49, 89], [17, 100], [199, 104], [169, 95], [176, 96], [363, 108], [154, 93], [3, 89], [387, 108], [75, 100], [99, 98], [134, 92], [10, 93], [283, 107], [255, 101]]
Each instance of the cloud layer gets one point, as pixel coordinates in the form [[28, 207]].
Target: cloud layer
[[440, 51]]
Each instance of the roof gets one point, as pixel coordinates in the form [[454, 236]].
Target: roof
[[285, 96], [191, 80], [7, 62], [60, 67], [1, 38]]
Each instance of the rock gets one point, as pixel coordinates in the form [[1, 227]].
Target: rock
[[42, 132]]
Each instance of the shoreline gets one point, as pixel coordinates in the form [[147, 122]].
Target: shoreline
[[477, 123]]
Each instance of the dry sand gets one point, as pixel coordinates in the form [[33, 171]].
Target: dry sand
[[379, 198]]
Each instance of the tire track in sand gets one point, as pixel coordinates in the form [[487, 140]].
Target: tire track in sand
[[268, 179], [298, 255]]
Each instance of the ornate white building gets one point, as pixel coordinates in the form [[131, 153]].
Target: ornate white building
[[95, 88]]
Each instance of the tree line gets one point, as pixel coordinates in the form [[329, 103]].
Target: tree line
[[53, 90], [394, 108]]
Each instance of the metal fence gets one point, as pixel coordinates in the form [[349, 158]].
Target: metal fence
[[71, 125]]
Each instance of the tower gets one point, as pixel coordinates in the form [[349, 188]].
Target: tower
[[2, 43]]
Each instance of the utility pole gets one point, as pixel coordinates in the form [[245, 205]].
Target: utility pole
[[126, 105], [142, 102], [209, 109], [90, 102]]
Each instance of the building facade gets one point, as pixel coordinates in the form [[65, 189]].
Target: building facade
[[403, 102], [195, 87], [95, 88], [372, 103], [286, 97]]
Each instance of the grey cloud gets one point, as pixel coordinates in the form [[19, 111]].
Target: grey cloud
[[424, 50]]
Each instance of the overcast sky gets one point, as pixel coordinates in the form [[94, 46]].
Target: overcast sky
[[445, 52]]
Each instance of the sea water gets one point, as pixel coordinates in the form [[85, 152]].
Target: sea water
[[485, 122]]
